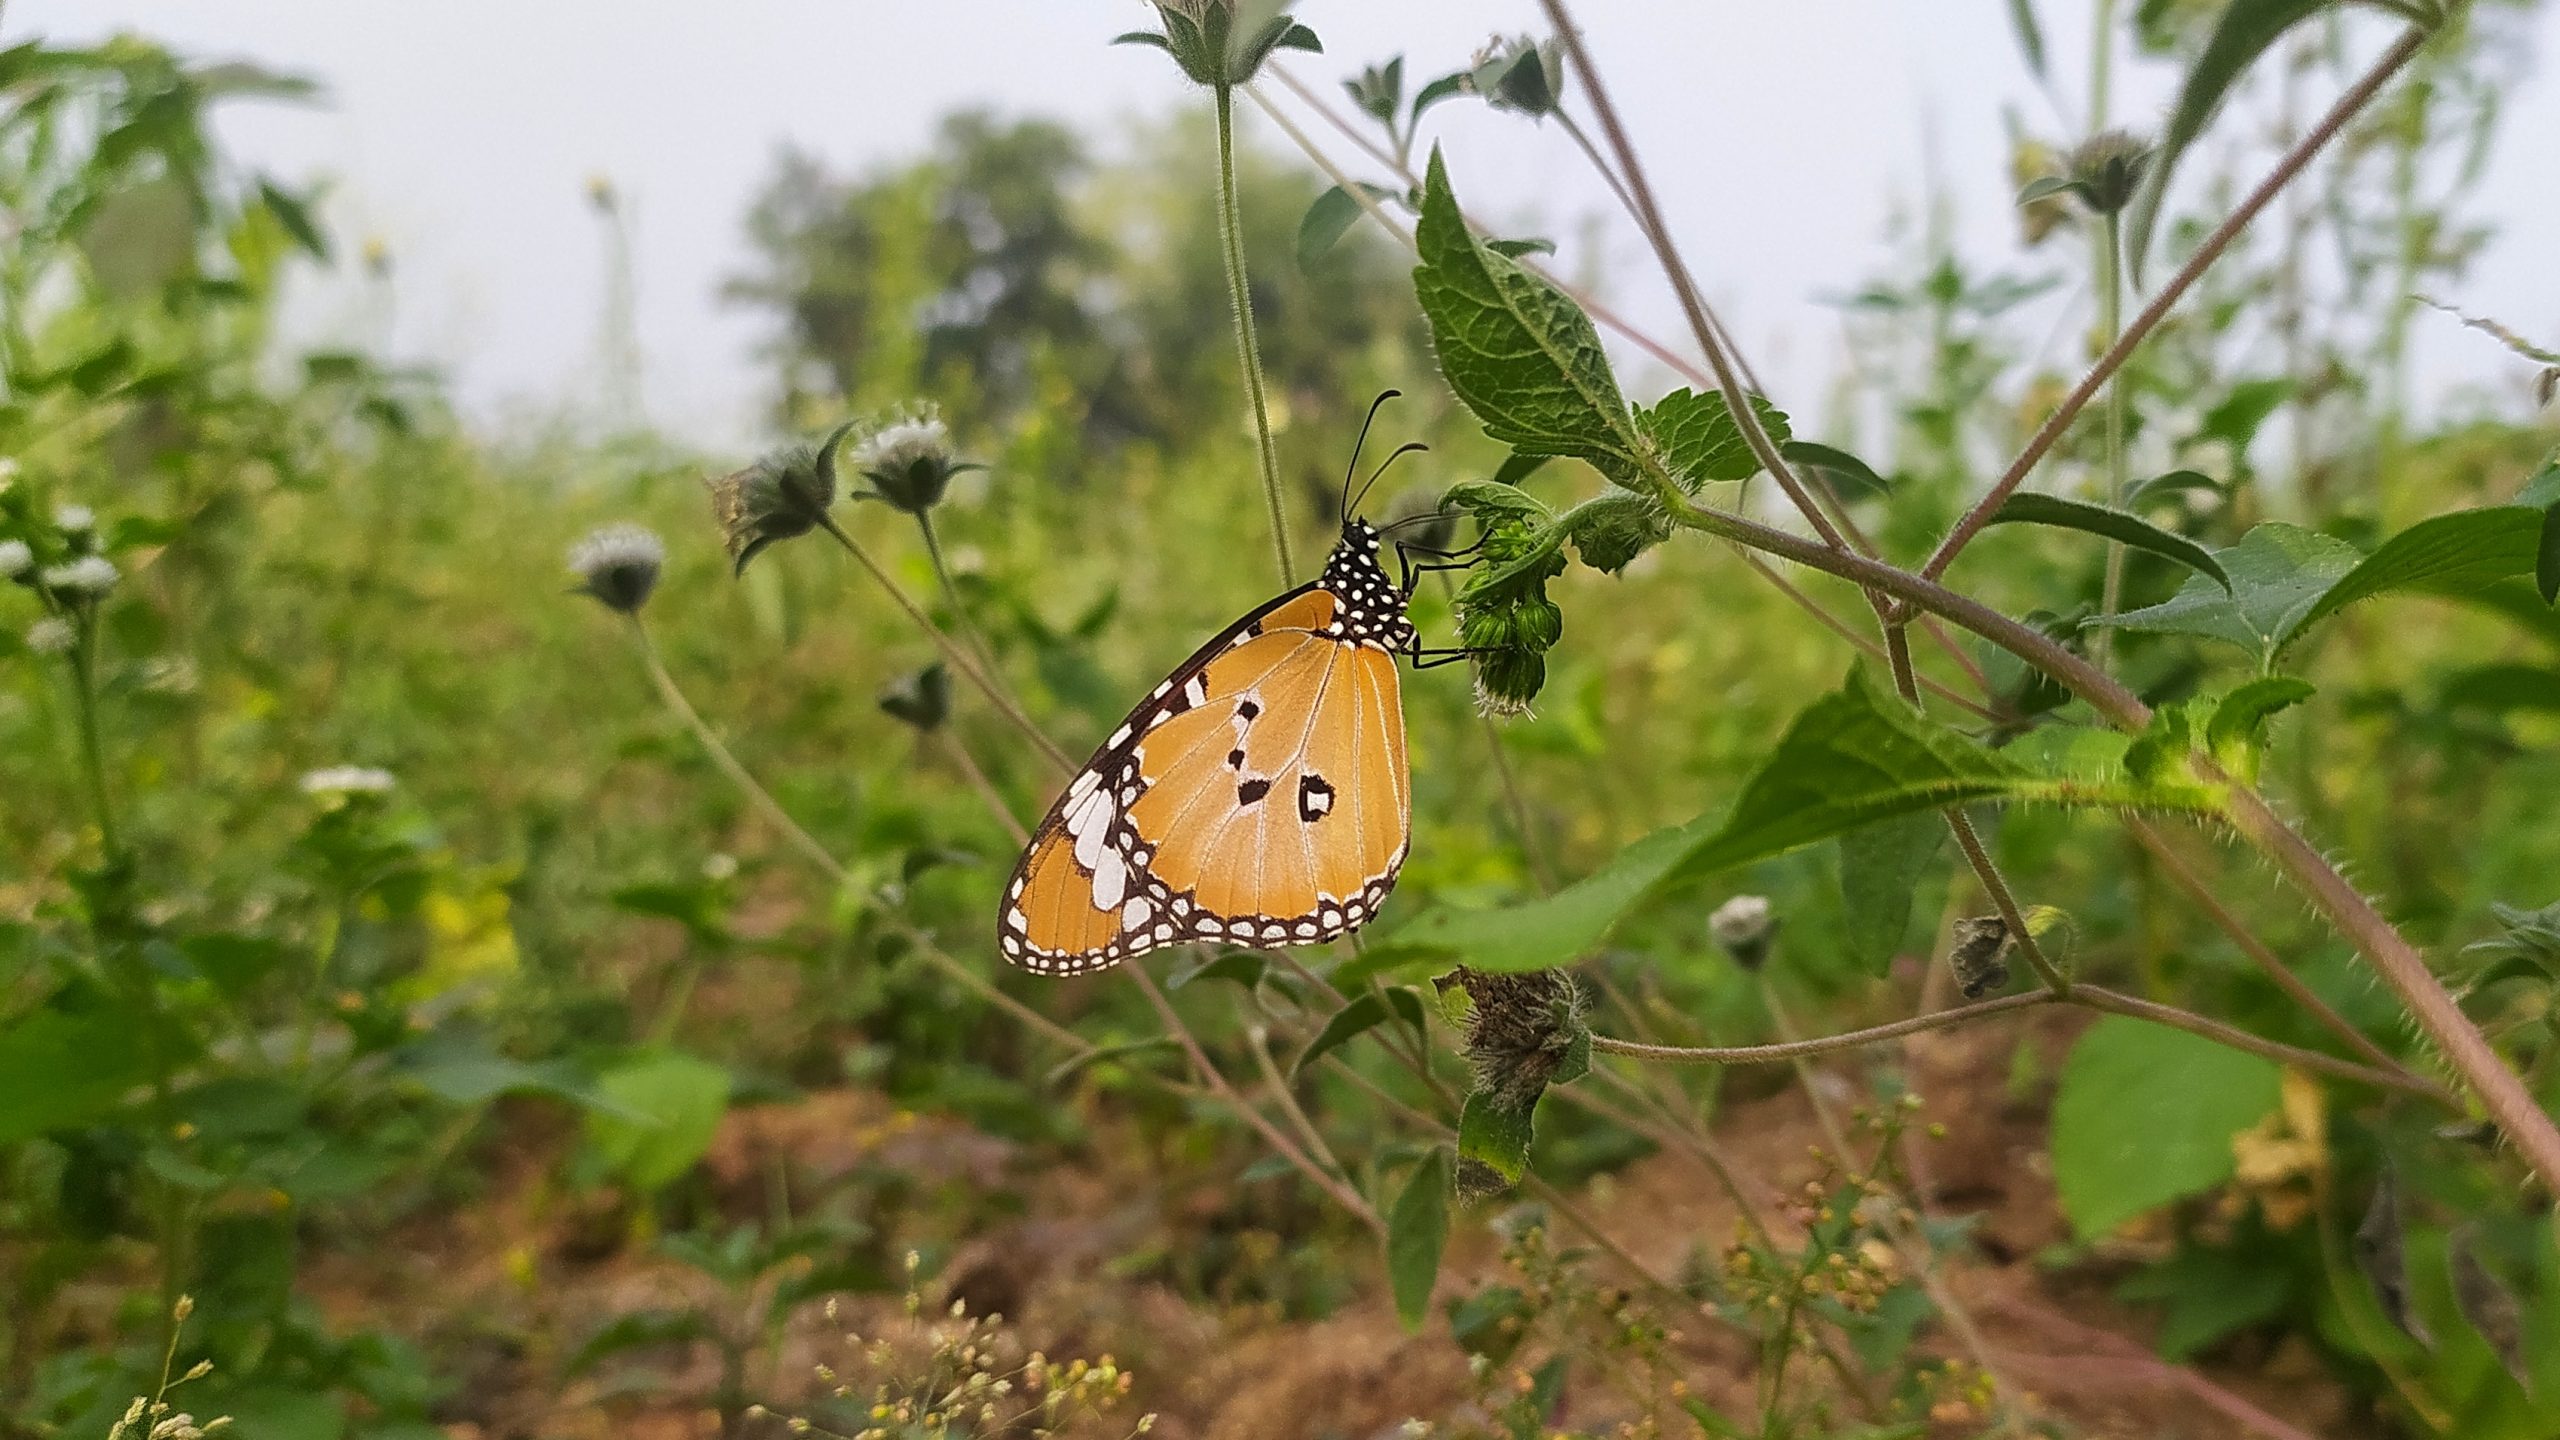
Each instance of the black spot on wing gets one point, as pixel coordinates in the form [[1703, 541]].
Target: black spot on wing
[[1250, 792]]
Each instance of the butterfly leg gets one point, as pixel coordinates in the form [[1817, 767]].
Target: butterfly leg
[[1433, 659], [1405, 554]]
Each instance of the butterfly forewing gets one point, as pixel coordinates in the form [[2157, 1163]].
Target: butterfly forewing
[[1258, 795]]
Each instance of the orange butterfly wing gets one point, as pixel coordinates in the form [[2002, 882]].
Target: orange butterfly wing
[[1260, 794]]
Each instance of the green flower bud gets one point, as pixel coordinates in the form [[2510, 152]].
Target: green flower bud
[[1222, 43], [922, 699]]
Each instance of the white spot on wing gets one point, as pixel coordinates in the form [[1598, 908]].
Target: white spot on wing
[[1110, 879]]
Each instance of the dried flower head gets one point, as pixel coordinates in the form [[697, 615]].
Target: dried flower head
[[909, 461], [1978, 953], [16, 560], [618, 565], [921, 699], [1222, 43], [341, 782], [2102, 172], [88, 577], [1516, 73], [1743, 926], [1525, 1033], [52, 635], [74, 519], [782, 496]]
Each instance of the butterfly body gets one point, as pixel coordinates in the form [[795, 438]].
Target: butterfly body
[[1259, 795]]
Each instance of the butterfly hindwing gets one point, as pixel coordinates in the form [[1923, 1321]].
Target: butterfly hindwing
[[1259, 795]]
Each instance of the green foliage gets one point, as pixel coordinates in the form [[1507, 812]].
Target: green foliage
[[2027, 507], [1417, 1231], [1517, 350], [1882, 869], [666, 1105], [2145, 1116]]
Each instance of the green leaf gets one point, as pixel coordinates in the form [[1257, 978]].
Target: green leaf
[[1074, 1065], [2029, 508], [2466, 551], [2232, 734], [1517, 467], [2502, 688], [2145, 1115], [2546, 558], [1527, 245], [1849, 477], [673, 1102], [1496, 1135], [1699, 440], [2022, 21], [2238, 416], [1520, 353], [1362, 1013], [2208, 1294], [1881, 869], [294, 214], [1417, 1231], [2277, 574], [1850, 759], [1334, 213], [2245, 30], [2171, 483], [60, 1069], [1242, 966], [2045, 187], [1447, 87]]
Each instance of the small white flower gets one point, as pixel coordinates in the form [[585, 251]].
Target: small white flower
[[15, 559], [88, 575], [8, 473], [51, 635], [1744, 917], [619, 564], [719, 865], [901, 445], [342, 780], [74, 519], [1742, 925]]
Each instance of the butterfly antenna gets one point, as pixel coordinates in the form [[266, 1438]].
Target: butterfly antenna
[[1353, 468], [1403, 450]]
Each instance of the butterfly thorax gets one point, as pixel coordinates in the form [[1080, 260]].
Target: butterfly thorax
[[1372, 606]]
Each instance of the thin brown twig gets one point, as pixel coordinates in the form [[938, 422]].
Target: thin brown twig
[[2286, 168]]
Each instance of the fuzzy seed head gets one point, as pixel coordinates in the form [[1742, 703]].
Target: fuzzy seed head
[[344, 781], [1978, 953], [52, 635], [16, 560], [909, 461], [1743, 926], [1522, 1031], [618, 566], [782, 496], [74, 519], [2107, 168], [88, 577]]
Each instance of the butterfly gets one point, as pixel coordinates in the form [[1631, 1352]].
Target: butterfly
[[1260, 795]]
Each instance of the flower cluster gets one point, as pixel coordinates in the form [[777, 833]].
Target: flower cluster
[[782, 496], [343, 782], [909, 461]]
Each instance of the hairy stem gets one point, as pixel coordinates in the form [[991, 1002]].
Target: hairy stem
[[951, 649], [93, 758], [2086, 996], [2286, 168], [1248, 352], [968, 628], [2111, 324]]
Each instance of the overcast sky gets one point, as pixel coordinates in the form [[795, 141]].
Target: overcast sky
[[462, 135]]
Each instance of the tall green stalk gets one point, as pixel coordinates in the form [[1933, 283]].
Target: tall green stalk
[[1248, 351], [2111, 321], [93, 763]]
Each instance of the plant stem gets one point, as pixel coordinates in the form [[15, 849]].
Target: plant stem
[[93, 763], [960, 620], [960, 658], [2087, 996], [2111, 324], [2268, 962], [1248, 352], [818, 855], [2290, 165]]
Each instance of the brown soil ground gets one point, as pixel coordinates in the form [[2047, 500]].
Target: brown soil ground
[[514, 1283]]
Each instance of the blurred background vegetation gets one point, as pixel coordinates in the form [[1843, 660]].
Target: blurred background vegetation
[[406, 996]]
